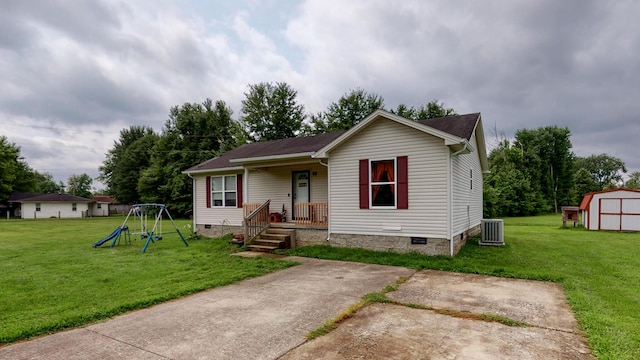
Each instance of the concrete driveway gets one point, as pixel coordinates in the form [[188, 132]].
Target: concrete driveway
[[268, 317]]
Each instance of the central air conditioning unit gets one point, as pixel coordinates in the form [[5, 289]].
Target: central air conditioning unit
[[492, 232]]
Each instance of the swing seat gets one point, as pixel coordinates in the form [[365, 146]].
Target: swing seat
[[158, 237]]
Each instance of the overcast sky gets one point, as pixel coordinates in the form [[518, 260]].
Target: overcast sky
[[74, 73]]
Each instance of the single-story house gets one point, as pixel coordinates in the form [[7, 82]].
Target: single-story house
[[388, 183], [38, 206], [617, 209], [100, 205]]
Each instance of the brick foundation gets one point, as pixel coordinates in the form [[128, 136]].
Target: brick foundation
[[400, 244], [216, 231]]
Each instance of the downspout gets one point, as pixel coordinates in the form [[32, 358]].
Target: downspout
[[328, 197], [245, 187], [193, 213], [464, 147]]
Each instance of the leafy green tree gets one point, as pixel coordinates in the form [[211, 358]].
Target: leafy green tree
[[432, 110], [15, 173], [605, 170], [271, 112], [548, 162], [349, 110], [128, 170], [634, 181], [583, 184], [507, 189], [192, 134], [9, 157], [124, 163], [80, 185], [44, 183]]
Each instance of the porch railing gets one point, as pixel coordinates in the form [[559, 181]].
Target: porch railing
[[312, 213], [256, 222], [248, 208]]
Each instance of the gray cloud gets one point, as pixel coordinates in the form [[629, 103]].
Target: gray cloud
[[102, 65]]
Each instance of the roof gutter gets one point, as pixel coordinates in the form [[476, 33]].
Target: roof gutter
[[204, 171], [272, 157], [464, 148]]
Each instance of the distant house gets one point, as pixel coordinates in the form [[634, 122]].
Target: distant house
[[100, 205], [617, 209], [37, 206], [388, 183]]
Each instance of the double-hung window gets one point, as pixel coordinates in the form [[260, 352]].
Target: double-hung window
[[224, 191], [38, 206], [74, 207], [383, 183]]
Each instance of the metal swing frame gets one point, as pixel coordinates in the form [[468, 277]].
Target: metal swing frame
[[140, 213]]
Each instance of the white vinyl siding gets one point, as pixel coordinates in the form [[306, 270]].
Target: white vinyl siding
[[428, 161], [212, 215], [53, 209], [467, 200], [275, 182], [100, 209]]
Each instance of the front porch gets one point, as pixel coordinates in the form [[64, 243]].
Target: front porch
[[307, 214], [262, 227]]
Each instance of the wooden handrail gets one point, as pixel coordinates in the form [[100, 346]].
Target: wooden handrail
[[248, 208], [312, 213], [256, 222]]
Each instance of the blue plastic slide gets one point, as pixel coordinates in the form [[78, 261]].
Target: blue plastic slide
[[113, 235]]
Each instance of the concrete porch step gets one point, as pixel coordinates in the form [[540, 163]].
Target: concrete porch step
[[274, 236], [271, 240], [280, 244], [261, 248]]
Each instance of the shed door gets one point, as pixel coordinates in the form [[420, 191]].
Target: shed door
[[619, 214]]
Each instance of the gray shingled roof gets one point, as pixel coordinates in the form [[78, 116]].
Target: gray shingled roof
[[47, 198], [288, 146], [460, 125]]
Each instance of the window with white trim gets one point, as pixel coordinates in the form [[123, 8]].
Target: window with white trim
[[74, 206], [223, 191], [382, 183], [38, 206]]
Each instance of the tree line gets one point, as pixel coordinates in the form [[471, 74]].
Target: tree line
[[145, 166], [537, 173], [17, 176], [534, 173]]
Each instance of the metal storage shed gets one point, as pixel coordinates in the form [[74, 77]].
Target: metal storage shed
[[617, 209]]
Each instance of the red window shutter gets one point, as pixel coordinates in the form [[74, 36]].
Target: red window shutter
[[239, 190], [364, 184], [403, 182], [208, 191]]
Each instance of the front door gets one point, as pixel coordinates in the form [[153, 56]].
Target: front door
[[301, 194]]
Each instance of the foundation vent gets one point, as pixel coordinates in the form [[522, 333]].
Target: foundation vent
[[492, 232]]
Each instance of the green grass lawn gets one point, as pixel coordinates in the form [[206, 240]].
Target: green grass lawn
[[51, 277], [600, 272]]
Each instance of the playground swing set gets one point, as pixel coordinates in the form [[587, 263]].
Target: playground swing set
[[140, 215]]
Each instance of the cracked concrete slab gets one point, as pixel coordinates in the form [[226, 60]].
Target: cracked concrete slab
[[260, 318], [540, 303], [267, 318], [388, 331]]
